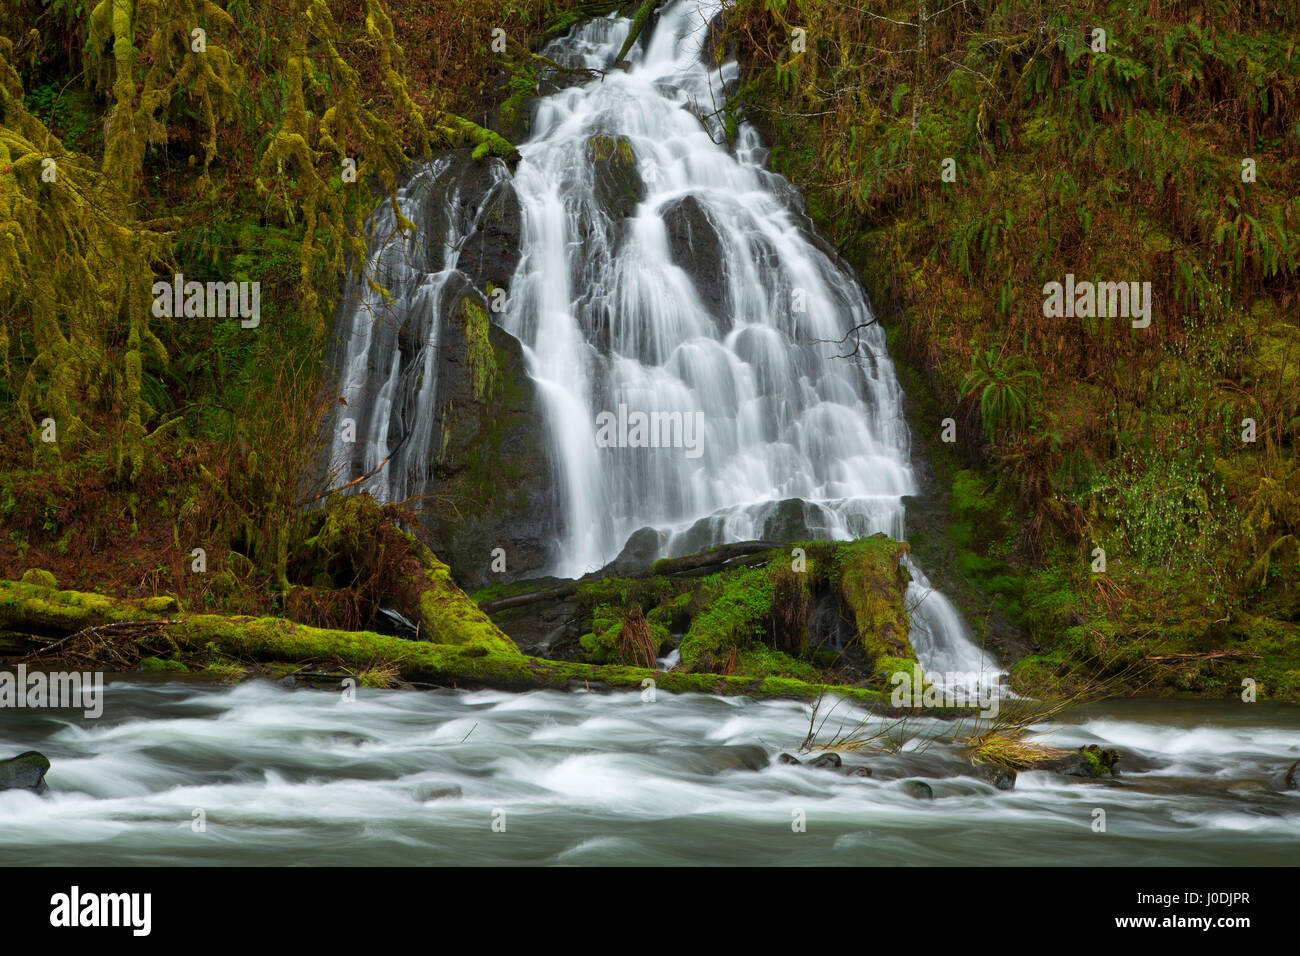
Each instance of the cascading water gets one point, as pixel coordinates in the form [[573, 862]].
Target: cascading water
[[614, 318], [389, 331], [665, 274]]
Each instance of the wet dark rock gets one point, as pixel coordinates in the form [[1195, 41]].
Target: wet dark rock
[[828, 625], [703, 535], [789, 759], [792, 519], [712, 49], [1090, 761], [696, 249], [1247, 786], [618, 186], [491, 252], [426, 792], [857, 771], [388, 621], [546, 627], [643, 548], [488, 460], [484, 462], [826, 762], [737, 757], [25, 772], [1003, 778], [918, 789], [1293, 777], [474, 199]]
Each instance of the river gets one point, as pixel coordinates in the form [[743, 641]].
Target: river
[[303, 776]]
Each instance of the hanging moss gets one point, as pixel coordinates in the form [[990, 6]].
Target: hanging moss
[[483, 371]]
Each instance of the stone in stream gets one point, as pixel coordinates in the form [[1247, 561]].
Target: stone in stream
[[826, 762], [1003, 778], [918, 789], [1090, 761], [735, 757], [789, 758], [857, 771], [426, 793], [1293, 777], [1247, 786], [25, 772]]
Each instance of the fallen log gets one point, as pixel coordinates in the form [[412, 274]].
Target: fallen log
[[211, 638], [638, 24], [708, 559], [689, 565]]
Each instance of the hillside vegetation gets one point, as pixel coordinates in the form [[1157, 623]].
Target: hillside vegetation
[[1153, 142]]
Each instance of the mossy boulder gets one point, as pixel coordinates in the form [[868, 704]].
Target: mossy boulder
[[40, 578], [872, 580], [25, 772], [489, 469], [828, 608], [618, 186]]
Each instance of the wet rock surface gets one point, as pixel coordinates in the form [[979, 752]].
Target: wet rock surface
[[25, 772]]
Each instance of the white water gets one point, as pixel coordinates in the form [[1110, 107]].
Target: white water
[[389, 335], [608, 318], [305, 777]]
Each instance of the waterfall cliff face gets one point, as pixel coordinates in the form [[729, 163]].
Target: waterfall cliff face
[[690, 339]]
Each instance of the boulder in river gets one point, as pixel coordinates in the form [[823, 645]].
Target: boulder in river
[[918, 789], [1004, 778], [1293, 777], [730, 757], [1090, 761], [643, 548], [827, 761], [25, 772]]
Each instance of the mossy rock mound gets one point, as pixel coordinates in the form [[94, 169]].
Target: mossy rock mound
[[40, 578], [764, 616]]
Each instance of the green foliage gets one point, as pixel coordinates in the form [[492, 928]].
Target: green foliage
[[1003, 383]]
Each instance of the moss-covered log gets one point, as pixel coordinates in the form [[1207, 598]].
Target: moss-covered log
[[638, 24], [27, 607]]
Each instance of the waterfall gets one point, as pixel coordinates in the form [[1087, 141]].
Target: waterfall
[[613, 317], [690, 338]]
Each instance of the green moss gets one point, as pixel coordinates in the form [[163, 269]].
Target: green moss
[[873, 582], [734, 610], [763, 662], [40, 578], [154, 665], [263, 641], [481, 356]]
